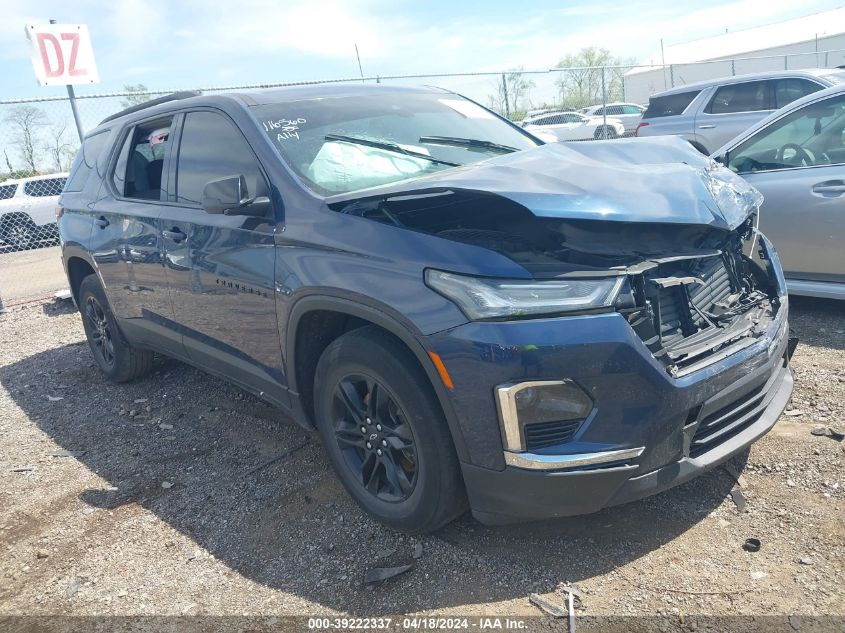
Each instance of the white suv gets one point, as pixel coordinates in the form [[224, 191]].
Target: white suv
[[28, 210]]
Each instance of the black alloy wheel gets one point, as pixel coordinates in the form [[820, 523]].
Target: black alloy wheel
[[100, 331], [374, 438]]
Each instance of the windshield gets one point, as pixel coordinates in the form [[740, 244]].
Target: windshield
[[342, 144]]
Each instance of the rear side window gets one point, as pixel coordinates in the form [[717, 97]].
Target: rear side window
[[788, 90], [669, 105], [750, 96], [212, 148], [86, 160], [44, 187], [7, 191], [138, 171]]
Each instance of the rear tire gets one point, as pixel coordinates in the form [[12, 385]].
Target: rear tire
[[599, 135], [385, 432], [117, 359]]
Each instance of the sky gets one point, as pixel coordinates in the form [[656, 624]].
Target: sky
[[170, 44]]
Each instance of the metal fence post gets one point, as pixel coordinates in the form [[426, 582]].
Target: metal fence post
[[672, 75], [505, 96], [733, 67], [603, 104], [3, 309]]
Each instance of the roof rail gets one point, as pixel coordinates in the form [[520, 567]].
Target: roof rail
[[173, 96]]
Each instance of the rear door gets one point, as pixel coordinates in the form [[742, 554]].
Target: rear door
[[732, 109], [125, 240], [220, 268], [798, 164]]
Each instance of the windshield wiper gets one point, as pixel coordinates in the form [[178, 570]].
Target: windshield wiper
[[390, 147], [456, 141]]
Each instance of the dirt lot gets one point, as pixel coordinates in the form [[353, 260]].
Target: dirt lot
[[181, 495], [32, 274]]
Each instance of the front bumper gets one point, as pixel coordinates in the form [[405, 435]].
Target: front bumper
[[516, 494], [664, 430]]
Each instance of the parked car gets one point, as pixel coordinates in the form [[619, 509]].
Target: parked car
[[710, 113], [629, 113], [28, 210], [466, 316], [534, 113], [574, 126], [796, 158]]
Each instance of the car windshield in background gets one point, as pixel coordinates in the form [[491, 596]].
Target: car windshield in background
[[343, 144]]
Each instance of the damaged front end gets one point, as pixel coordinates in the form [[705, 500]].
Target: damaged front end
[[693, 310], [696, 285]]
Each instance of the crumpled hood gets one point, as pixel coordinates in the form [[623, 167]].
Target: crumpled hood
[[658, 179]]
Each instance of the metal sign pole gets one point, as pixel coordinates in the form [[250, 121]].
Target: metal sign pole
[[72, 97], [76, 119]]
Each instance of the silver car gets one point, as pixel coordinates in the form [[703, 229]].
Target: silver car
[[709, 114], [796, 159]]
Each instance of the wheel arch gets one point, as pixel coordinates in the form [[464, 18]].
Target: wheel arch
[[77, 269], [300, 369]]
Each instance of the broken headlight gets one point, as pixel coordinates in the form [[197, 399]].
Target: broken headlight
[[481, 298]]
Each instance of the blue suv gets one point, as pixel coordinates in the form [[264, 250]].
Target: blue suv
[[469, 318]]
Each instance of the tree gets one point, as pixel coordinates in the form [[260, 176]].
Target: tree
[[26, 122], [581, 84], [512, 90], [139, 93], [61, 151]]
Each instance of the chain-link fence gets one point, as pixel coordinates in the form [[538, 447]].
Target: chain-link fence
[[38, 138]]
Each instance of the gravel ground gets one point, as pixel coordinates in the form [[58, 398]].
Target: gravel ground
[[178, 494]]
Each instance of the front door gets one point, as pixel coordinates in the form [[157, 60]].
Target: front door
[[220, 268], [798, 164]]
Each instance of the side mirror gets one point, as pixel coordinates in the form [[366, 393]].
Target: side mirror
[[229, 196]]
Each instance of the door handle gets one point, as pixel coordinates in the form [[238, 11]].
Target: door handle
[[101, 222], [709, 126], [830, 188], [174, 234]]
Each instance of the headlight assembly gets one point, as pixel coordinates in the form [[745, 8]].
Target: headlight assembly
[[483, 298]]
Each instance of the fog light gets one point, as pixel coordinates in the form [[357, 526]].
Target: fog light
[[538, 402]]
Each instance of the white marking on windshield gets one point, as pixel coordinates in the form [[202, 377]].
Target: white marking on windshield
[[285, 128]]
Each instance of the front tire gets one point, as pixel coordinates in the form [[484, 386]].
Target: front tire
[[117, 359], [385, 432]]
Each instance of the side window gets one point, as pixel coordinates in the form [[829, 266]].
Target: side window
[[631, 109], [44, 187], [86, 160], [138, 172], [613, 110], [570, 118], [7, 191], [788, 90], [811, 136], [212, 148], [669, 105], [750, 96]]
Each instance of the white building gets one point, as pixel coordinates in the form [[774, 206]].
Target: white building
[[812, 41]]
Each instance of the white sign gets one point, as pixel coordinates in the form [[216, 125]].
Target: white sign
[[62, 54]]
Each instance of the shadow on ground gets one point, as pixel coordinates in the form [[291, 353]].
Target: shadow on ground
[[255, 491], [811, 319]]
